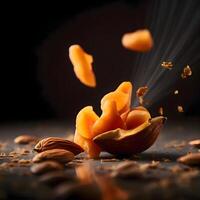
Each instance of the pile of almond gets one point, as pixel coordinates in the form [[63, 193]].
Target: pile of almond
[[53, 153]]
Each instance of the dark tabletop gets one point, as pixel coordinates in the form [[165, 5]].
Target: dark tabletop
[[17, 182]]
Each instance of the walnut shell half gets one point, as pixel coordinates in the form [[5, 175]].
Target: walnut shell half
[[128, 142]]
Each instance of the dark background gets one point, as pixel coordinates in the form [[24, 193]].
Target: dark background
[[37, 83]]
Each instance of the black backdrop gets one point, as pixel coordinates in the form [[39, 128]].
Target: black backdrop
[[24, 28]]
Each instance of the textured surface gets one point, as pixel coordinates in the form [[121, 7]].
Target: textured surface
[[17, 181]]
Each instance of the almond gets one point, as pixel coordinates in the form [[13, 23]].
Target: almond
[[60, 155], [195, 143], [190, 159], [25, 139], [55, 177], [57, 143], [46, 166]]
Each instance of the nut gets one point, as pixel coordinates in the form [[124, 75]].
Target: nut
[[60, 155], [24, 139], [128, 142], [57, 143], [55, 177], [190, 159], [46, 166], [195, 143]]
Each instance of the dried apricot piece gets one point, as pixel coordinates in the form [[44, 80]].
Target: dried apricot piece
[[88, 145], [85, 119], [82, 63], [137, 117], [140, 40], [121, 96], [109, 120]]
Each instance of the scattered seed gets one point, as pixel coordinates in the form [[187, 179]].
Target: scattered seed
[[25, 139], [109, 160], [176, 169], [46, 166], [78, 191], [190, 159], [54, 177], [195, 143], [166, 160], [24, 162], [57, 143], [176, 144], [59, 155]]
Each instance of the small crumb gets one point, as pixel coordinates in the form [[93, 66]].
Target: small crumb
[[141, 91], [167, 65], [153, 165], [176, 144], [160, 111], [166, 160], [109, 160], [186, 72], [176, 92], [141, 100], [180, 109], [176, 169], [24, 162]]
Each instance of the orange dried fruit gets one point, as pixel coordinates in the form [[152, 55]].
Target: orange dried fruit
[[109, 120], [140, 40], [82, 63], [85, 121], [137, 117], [88, 145], [121, 96]]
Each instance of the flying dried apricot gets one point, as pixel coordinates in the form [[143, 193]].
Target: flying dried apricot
[[82, 63], [140, 40]]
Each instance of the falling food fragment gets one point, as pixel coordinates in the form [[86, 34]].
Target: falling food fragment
[[140, 93], [167, 65], [140, 40], [176, 92], [160, 111], [82, 63], [186, 72], [180, 109]]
